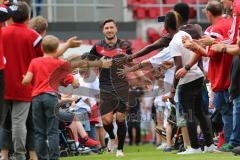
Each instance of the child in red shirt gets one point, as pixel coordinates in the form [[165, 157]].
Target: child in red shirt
[[45, 97]]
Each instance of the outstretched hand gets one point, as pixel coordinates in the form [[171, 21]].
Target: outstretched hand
[[122, 72], [123, 60], [73, 42]]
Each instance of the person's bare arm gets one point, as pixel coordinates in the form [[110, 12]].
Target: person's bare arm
[[102, 63], [178, 65], [193, 46], [229, 49], [71, 43], [144, 64], [27, 78], [233, 51], [183, 71], [158, 44]]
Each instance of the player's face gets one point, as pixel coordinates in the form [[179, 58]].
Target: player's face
[[110, 30]]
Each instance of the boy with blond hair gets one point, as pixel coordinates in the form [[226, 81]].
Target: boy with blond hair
[[45, 98], [39, 24]]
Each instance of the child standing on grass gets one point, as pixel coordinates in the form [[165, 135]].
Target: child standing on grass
[[45, 98]]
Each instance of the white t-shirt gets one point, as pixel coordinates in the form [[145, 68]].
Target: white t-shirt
[[164, 55], [177, 49], [91, 87], [156, 60]]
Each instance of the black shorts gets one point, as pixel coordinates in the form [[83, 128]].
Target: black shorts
[[113, 100]]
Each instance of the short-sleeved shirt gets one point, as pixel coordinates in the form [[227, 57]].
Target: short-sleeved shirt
[[219, 64], [156, 60], [20, 44], [109, 76], [177, 49], [234, 31], [194, 30], [42, 69]]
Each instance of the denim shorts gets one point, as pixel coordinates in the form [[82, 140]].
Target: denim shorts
[[180, 116], [83, 117]]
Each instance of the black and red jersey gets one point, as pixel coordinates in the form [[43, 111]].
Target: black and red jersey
[[109, 76]]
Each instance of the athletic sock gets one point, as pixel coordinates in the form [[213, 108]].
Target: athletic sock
[[109, 129], [121, 134]]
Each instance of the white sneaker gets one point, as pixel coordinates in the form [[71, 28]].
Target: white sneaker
[[84, 150], [162, 146], [119, 153], [111, 145], [191, 151], [211, 149]]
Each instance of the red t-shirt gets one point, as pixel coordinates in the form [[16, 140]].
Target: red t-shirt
[[20, 45], [1, 49], [233, 32], [219, 64], [48, 74]]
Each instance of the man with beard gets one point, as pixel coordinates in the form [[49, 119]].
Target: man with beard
[[113, 89]]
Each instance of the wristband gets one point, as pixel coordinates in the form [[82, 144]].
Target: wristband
[[187, 67]]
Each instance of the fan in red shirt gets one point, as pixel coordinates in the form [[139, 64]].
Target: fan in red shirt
[[20, 46], [4, 15]]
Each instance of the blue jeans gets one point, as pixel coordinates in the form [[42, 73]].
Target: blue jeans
[[224, 106], [235, 137], [46, 126]]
